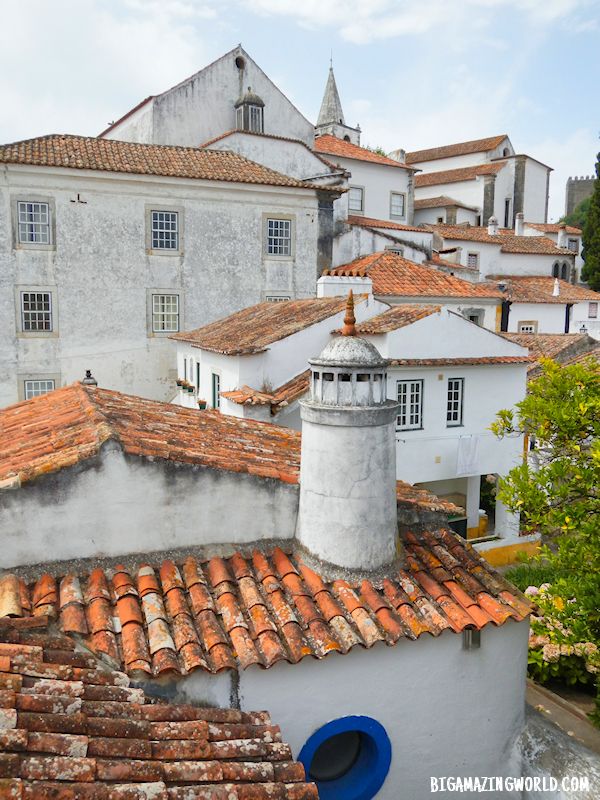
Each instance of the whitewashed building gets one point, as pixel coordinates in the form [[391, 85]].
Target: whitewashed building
[[275, 600], [106, 248], [485, 174]]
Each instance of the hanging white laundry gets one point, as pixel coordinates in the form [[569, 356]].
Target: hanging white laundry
[[467, 462]]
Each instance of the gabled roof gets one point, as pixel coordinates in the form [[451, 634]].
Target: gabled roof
[[560, 347], [386, 224], [547, 227], [69, 425], [441, 201], [278, 398], [394, 275], [505, 239], [265, 607], [74, 728], [396, 317], [458, 175], [110, 155], [459, 149], [331, 145], [253, 329], [540, 289]]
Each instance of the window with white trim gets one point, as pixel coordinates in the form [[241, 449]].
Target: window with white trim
[[165, 230], [528, 326], [35, 387], [473, 260], [454, 409], [410, 398], [34, 222], [593, 311], [36, 312], [397, 204], [256, 119], [573, 245], [356, 198], [165, 313], [279, 237]]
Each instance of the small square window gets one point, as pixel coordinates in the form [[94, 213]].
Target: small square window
[[593, 311], [528, 326], [34, 222], [410, 398], [35, 388], [279, 237], [356, 199], [165, 230], [454, 409], [165, 313], [473, 260], [397, 203], [573, 245], [36, 312]]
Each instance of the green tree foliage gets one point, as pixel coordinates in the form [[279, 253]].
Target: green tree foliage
[[557, 489], [578, 216], [591, 236]]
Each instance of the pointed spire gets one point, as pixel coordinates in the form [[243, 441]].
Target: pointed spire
[[331, 107], [349, 328]]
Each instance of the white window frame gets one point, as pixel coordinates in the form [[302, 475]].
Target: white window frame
[[165, 298], [527, 323], [255, 119], [32, 387], [394, 215], [279, 236], [410, 396], [593, 307], [34, 223], [454, 402], [361, 208], [36, 315], [164, 230], [475, 256], [573, 245]]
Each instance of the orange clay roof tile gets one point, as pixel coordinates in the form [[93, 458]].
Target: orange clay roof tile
[[332, 146], [253, 329], [540, 289], [458, 149], [85, 733], [505, 239], [143, 427], [393, 275], [458, 175], [548, 227], [385, 224], [108, 155], [564, 348]]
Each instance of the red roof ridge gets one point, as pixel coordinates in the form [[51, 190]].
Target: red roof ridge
[[371, 222], [456, 149], [331, 145]]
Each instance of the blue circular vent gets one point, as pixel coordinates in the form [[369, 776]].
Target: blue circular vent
[[348, 758]]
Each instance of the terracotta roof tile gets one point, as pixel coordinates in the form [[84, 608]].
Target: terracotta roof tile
[[458, 149], [332, 146], [38, 438], [417, 497], [505, 239], [254, 328], [386, 224], [277, 399], [396, 317], [237, 612], [109, 155], [564, 348], [394, 275], [131, 746], [548, 227], [441, 201], [457, 175], [462, 361], [540, 289]]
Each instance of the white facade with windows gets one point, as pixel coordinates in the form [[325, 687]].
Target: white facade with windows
[[78, 296], [380, 191]]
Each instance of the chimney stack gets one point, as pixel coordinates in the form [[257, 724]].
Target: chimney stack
[[519, 224], [556, 290], [562, 235], [493, 226], [89, 379]]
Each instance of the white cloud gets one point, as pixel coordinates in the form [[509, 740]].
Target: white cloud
[[81, 65], [363, 21]]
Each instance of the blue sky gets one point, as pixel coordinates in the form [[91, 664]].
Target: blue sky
[[413, 74]]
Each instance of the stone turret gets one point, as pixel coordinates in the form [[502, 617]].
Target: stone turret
[[347, 516], [331, 116]]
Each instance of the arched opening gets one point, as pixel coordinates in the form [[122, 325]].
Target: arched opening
[[555, 270], [240, 63], [505, 152], [564, 271], [346, 138]]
